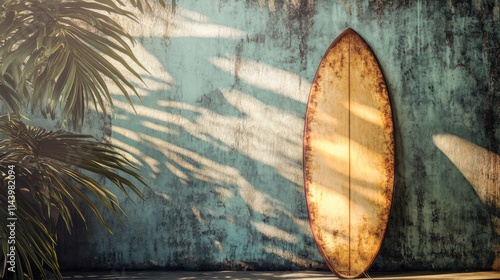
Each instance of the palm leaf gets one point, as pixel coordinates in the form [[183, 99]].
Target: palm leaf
[[57, 54], [54, 155], [8, 96], [48, 36], [34, 242], [12, 95], [47, 165], [142, 5]]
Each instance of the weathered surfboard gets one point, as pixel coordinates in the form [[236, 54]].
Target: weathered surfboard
[[348, 156]]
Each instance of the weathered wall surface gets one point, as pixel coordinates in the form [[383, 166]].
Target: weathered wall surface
[[219, 135]]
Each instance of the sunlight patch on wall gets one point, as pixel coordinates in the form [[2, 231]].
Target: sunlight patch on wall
[[178, 173], [479, 166], [186, 164], [151, 162], [159, 128], [197, 213], [166, 129], [162, 195], [287, 5], [165, 117], [154, 78], [266, 77], [273, 232], [266, 133], [271, 5], [271, 136], [178, 23]]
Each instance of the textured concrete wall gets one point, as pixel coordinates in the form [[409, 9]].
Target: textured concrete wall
[[219, 135]]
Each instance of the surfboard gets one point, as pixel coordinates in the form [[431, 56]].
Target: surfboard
[[348, 156]]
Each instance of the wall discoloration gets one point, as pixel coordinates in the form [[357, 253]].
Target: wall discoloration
[[219, 134]]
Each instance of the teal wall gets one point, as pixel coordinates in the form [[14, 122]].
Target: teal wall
[[219, 135]]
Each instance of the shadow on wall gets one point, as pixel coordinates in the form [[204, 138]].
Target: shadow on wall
[[215, 169], [220, 136], [227, 166], [481, 168]]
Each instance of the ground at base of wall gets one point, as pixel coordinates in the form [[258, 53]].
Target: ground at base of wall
[[315, 275]]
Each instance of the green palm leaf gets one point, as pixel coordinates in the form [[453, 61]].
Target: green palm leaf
[[144, 4], [12, 95], [34, 242], [55, 169], [49, 36], [56, 56], [50, 159]]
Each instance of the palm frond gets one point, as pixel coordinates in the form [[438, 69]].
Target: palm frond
[[56, 56], [50, 185], [12, 95], [50, 159], [34, 244], [144, 5], [66, 46], [9, 97]]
